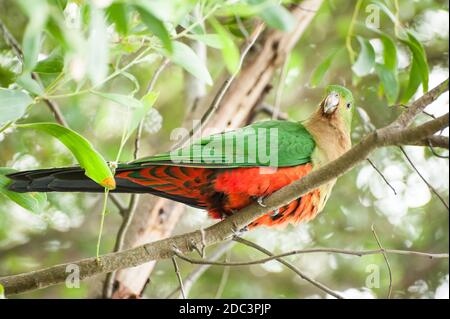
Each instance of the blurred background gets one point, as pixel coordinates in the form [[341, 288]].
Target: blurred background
[[67, 227]]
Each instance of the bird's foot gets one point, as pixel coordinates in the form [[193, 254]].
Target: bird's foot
[[199, 247], [259, 200], [240, 232]]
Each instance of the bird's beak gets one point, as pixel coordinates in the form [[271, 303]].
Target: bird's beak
[[331, 102]]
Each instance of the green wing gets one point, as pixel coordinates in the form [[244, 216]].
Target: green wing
[[267, 143]]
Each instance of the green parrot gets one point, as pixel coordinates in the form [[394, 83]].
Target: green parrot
[[226, 172]]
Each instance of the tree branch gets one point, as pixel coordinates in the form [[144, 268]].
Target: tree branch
[[433, 141]]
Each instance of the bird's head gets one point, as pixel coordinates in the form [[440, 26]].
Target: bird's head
[[338, 104]]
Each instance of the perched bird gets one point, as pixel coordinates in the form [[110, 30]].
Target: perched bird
[[226, 172]]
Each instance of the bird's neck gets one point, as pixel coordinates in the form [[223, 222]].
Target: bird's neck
[[331, 135]]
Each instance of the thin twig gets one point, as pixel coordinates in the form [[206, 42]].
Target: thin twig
[[385, 259], [358, 253], [382, 175], [430, 145], [279, 90], [405, 106], [224, 278], [241, 26], [423, 178], [190, 280], [290, 266], [435, 141], [180, 280], [116, 201], [270, 110]]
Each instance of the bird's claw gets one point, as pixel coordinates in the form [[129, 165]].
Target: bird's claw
[[238, 233], [259, 200]]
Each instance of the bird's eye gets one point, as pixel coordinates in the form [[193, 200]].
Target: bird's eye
[[349, 105]]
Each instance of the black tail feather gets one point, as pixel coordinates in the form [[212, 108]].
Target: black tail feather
[[69, 179]]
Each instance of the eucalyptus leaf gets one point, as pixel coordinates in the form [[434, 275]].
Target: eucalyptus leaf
[[388, 72], [92, 161], [366, 58], [230, 51], [389, 52], [34, 202], [185, 57], [212, 40], [322, 69], [54, 63], [32, 37], [30, 84], [389, 81], [125, 100], [413, 82], [117, 13], [138, 114], [419, 58], [155, 25], [275, 15], [386, 10], [13, 104]]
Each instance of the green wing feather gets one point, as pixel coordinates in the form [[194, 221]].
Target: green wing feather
[[267, 143]]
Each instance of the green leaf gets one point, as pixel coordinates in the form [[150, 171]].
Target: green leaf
[[185, 57], [230, 51], [97, 47], [94, 164], [29, 84], [54, 63], [13, 104], [413, 83], [212, 40], [125, 100], [56, 28], [239, 8], [276, 16], [2, 292], [137, 109], [155, 25], [34, 202], [388, 72], [389, 82], [386, 10], [389, 52], [37, 12], [118, 14], [366, 58], [419, 58], [322, 69], [138, 114]]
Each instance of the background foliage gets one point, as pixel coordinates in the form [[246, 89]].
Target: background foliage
[[95, 58]]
